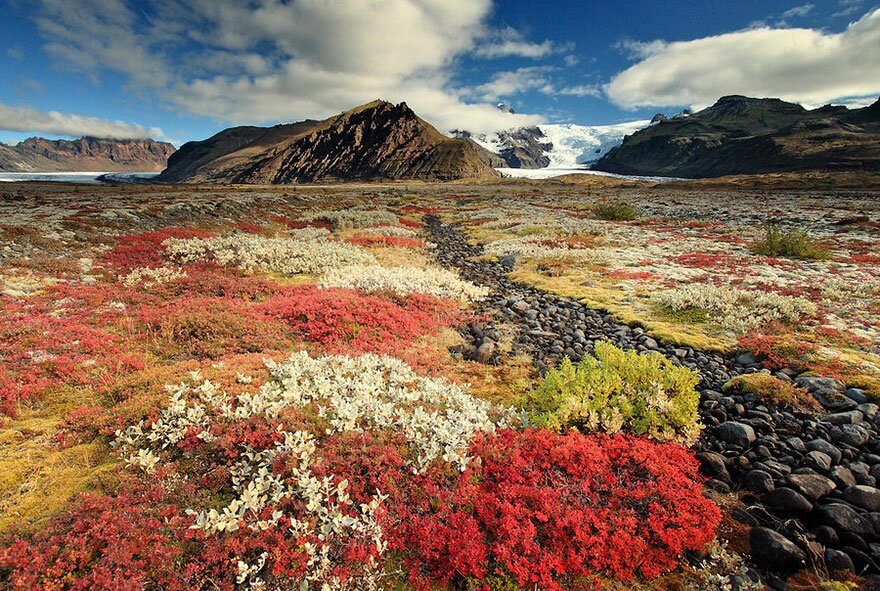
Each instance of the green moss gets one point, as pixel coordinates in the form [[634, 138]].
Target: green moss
[[793, 242], [685, 315], [615, 390]]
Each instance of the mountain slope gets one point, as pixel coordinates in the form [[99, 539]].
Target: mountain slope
[[740, 135], [86, 154], [556, 145], [378, 140]]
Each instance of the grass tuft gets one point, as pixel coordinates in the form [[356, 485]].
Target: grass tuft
[[615, 211], [793, 242]]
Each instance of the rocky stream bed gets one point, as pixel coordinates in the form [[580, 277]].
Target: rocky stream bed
[[807, 481]]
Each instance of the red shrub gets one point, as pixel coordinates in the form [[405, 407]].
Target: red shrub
[[144, 250], [127, 542], [550, 508], [386, 241], [62, 337], [250, 228], [345, 320], [210, 327], [777, 349]]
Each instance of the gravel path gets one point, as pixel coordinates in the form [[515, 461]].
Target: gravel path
[[808, 480]]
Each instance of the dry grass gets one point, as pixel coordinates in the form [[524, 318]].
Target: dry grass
[[38, 478]]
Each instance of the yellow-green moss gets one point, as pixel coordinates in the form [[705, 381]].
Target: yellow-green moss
[[597, 292], [769, 388]]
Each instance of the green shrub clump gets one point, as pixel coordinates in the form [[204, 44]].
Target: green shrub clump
[[619, 391], [792, 242], [615, 211]]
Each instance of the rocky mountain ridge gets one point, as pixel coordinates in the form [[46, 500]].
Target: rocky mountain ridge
[[376, 141], [86, 154], [742, 135]]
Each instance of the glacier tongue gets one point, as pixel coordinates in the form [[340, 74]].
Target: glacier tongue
[[574, 146]]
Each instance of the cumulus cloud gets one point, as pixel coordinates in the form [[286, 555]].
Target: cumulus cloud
[[800, 65], [26, 119], [288, 59]]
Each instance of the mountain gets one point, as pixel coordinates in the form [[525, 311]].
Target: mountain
[[741, 135], [375, 141], [87, 154], [554, 145]]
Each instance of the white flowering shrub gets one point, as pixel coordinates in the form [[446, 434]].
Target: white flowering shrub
[[404, 280], [149, 276], [349, 394], [309, 233], [535, 248], [394, 231], [252, 252], [736, 309], [353, 217]]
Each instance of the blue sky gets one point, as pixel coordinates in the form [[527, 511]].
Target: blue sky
[[183, 70]]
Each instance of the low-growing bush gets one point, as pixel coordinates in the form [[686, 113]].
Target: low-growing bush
[[252, 252], [345, 320], [616, 211], [789, 242], [777, 348], [732, 308], [769, 388], [210, 328], [435, 282], [145, 250], [550, 509], [399, 241], [615, 390]]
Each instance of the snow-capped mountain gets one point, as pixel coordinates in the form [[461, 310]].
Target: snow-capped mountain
[[556, 145]]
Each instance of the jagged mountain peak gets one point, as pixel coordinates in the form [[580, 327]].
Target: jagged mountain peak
[[377, 140]]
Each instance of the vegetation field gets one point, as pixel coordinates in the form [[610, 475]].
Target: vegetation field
[[227, 388]]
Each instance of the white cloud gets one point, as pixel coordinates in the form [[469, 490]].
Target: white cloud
[[800, 65], [287, 59], [798, 11], [517, 81], [637, 50], [26, 119], [510, 42], [580, 90]]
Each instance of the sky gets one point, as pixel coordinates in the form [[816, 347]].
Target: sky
[[181, 70]]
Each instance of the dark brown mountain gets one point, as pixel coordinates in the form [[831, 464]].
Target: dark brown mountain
[[741, 135], [376, 141], [87, 154]]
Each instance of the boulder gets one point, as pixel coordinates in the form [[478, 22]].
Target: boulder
[[774, 551], [866, 497], [844, 518], [812, 486], [736, 433], [786, 501]]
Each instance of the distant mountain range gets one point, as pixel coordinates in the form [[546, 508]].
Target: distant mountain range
[[86, 154], [382, 141], [376, 141], [741, 135]]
